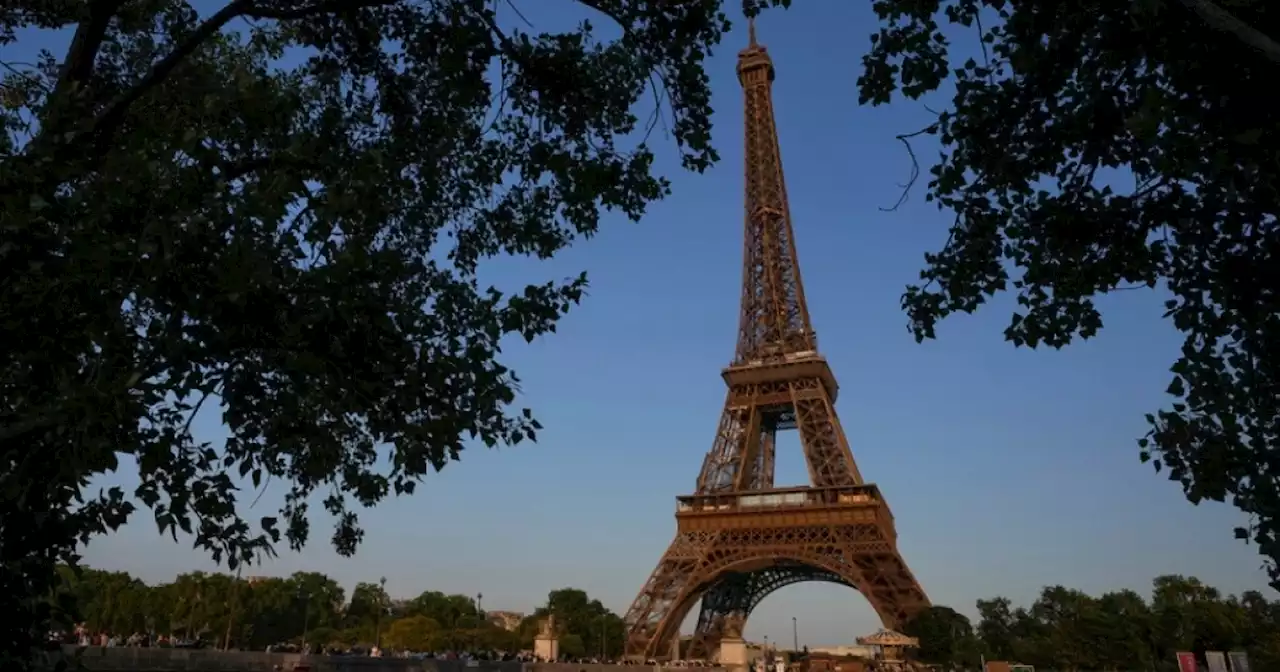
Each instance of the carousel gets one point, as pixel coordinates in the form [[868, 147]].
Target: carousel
[[890, 650]]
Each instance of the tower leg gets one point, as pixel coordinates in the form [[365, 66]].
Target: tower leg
[[732, 570], [657, 602]]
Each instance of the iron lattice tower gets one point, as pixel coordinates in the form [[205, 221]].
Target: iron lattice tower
[[738, 537]]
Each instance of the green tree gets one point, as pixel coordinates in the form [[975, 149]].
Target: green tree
[[995, 628], [578, 614], [572, 646], [321, 600], [491, 637], [1095, 147], [1062, 629], [221, 608], [611, 636], [1260, 615], [1180, 606], [1070, 625], [369, 602], [1030, 638], [324, 637], [271, 613], [279, 610], [188, 591], [946, 637], [1129, 640], [108, 601], [448, 610], [414, 633], [1067, 629], [527, 631], [279, 209]]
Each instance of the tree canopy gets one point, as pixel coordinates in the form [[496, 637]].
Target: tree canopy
[[1068, 629], [278, 210], [587, 627], [1062, 629], [311, 609], [252, 613], [1093, 147]]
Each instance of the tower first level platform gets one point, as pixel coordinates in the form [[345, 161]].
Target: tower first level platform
[[858, 505], [846, 531], [732, 549]]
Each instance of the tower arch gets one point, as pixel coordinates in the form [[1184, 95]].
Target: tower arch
[[736, 594], [737, 525], [733, 585]]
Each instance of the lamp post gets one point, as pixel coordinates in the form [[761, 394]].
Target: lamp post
[[481, 623], [235, 604], [377, 623], [795, 636], [306, 614]]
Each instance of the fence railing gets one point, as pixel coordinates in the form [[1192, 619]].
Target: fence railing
[[138, 659]]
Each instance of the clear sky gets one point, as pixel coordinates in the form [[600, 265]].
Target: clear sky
[[1006, 469]]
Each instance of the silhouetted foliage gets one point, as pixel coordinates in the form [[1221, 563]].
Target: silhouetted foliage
[[1066, 629], [587, 627], [946, 637], [1063, 629], [1092, 147], [304, 609], [278, 209]]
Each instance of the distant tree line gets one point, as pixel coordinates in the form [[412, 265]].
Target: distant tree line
[[310, 608], [1066, 629]]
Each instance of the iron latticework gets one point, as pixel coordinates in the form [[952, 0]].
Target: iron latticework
[[739, 538]]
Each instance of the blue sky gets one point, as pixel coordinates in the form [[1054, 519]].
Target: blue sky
[[1006, 469]]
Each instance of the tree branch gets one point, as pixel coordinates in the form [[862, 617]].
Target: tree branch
[[78, 66], [245, 167], [905, 139], [257, 12], [105, 124], [1224, 21]]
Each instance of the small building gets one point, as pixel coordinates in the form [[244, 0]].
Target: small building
[[507, 620], [841, 661]]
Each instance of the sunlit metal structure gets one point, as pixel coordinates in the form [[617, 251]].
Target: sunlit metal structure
[[738, 537]]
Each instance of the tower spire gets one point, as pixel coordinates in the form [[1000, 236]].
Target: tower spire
[[751, 31], [738, 537], [774, 321]]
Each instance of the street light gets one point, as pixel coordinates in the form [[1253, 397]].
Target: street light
[[795, 636], [377, 624], [306, 613], [235, 604]]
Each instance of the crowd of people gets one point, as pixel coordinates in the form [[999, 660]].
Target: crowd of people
[[82, 637]]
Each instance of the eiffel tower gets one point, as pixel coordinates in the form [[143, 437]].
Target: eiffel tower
[[738, 537]]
